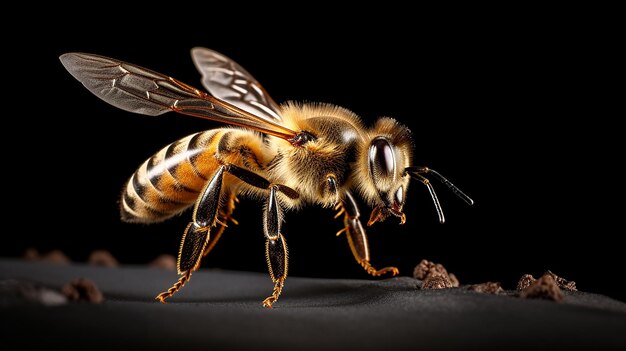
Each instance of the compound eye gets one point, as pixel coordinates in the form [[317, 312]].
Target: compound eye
[[381, 159]]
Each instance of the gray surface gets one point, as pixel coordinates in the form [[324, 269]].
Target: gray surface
[[222, 309]]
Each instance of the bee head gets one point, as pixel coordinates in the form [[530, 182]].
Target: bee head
[[387, 155]]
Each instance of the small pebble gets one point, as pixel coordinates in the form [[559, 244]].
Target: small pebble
[[487, 288], [82, 289], [543, 288], [102, 258], [436, 282], [167, 262]]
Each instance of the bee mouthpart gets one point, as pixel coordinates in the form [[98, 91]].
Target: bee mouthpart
[[380, 213], [399, 214]]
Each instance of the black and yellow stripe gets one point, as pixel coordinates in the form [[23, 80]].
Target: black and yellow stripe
[[171, 180]]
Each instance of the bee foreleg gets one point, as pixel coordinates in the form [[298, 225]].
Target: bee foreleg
[[357, 238], [197, 233]]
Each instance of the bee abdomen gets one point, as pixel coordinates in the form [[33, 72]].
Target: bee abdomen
[[170, 181]]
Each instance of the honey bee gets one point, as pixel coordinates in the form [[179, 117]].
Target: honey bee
[[287, 156]]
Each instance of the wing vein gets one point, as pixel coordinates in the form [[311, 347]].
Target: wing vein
[[139, 90]]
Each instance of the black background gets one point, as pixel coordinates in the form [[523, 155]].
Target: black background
[[515, 109]]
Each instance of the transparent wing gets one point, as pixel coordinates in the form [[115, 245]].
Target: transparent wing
[[228, 81], [136, 89]]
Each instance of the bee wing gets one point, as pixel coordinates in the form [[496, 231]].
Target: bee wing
[[140, 90], [228, 81]]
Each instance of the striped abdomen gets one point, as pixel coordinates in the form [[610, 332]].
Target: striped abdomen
[[171, 180]]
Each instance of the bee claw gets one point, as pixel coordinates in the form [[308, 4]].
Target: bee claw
[[267, 303], [378, 272]]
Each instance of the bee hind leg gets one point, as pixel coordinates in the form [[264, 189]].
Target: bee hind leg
[[357, 238], [197, 240]]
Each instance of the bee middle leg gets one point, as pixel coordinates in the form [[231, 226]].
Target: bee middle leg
[[275, 244], [357, 239], [275, 247]]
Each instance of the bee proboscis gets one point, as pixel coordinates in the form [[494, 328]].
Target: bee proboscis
[[287, 155]]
